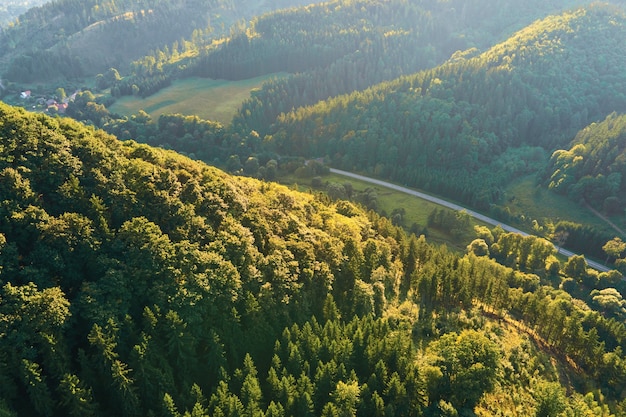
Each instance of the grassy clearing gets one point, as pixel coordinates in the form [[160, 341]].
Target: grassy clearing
[[524, 197], [216, 100]]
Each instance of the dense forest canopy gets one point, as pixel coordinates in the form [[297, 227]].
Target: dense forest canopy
[[463, 129], [337, 47], [68, 39], [136, 281]]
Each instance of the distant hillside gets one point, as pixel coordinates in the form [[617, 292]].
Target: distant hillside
[[337, 47], [68, 39], [467, 127], [135, 281], [10, 10], [424, 32], [594, 167]]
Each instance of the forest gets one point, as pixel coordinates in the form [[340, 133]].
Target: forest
[[469, 126], [136, 281], [333, 48], [71, 39], [464, 129], [10, 10]]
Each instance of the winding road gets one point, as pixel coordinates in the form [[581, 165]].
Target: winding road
[[595, 265]]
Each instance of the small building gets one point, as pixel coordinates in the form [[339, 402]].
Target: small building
[[25, 94]]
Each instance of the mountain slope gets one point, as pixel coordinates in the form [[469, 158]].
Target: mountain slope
[[69, 39], [340, 46], [135, 281], [454, 129]]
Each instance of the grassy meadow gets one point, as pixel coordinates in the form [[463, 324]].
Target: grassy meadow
[[525, 197], [216, 100]]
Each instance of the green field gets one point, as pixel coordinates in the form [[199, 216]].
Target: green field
[[525, 197], [216, 100]]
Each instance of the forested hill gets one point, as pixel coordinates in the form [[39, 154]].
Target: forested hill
[[137, 282], [456, 128], [394, 36], [69, 38], [10, 10], [594, 166], [339, 46]]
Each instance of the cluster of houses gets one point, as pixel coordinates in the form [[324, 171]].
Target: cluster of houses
[[49, 104]]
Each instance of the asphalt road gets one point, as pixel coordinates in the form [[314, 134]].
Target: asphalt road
[[478, 216]]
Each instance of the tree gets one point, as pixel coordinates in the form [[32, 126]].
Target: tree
[[251, 166], [60, 93], [75, 397], [468, 363], [550, 400], [251, 390], [111, 77], [484, 233], [614, 248], [478, 247], [346, 398], [576, 267], [336, 191], [233, 164]]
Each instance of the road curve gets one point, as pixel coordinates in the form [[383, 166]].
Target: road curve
[[441, 202]]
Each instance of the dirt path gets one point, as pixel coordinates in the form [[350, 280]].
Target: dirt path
[[603, 218]]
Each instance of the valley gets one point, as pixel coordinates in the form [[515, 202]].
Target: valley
[[222, 218]]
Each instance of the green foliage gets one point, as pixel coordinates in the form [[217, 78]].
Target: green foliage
[[614, 248], [593, 167], [551, 400], [470, 126], [12, 9], [68, 39], [136, 281], [468, 365], [377, 41], [455, 223], [171, 269]]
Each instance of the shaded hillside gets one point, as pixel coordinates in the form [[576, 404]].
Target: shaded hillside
[[467, 127], [390, 39], [594, 166], [135, 281], [337, 47], [10, 10], [67, 39]]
